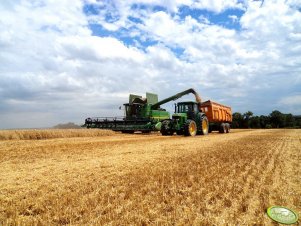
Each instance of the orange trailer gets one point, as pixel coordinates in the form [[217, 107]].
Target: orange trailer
[[219, 116]]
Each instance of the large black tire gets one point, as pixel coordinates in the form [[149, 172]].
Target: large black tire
[[165, 128], [128, 131], [180, 132], [222, 128], [204, 130], [190, 128]]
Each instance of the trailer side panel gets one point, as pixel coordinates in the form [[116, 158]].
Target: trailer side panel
[[216, 112]]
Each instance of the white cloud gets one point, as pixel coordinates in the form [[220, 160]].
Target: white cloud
[[217, 6], [97, 49], [119, 10], [291, 100], [53, 67], [292, 104], [234, 18]]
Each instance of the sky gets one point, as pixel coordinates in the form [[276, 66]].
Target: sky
[[63, 61]]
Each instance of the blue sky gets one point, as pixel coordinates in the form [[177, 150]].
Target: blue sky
[[63, 62]]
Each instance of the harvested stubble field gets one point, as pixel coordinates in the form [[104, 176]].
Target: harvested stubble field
[[120, 179]]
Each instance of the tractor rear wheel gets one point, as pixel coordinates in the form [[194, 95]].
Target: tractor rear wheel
[[190, 128], [204, 125]]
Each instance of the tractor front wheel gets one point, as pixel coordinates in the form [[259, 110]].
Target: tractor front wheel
[[190, 128]]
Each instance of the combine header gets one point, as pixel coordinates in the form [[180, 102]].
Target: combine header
[[146, 115]]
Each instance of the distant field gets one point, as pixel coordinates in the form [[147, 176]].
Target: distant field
[[86, 177], [38, 134]]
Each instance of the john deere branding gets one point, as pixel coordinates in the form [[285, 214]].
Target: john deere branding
[[282, 215]]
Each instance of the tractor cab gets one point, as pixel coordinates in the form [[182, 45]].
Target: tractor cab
[[184, 107], [188, 109], [184, 111]]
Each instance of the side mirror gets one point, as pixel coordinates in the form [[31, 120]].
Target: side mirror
[[119, 107]]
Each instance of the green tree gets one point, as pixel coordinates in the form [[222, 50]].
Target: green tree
[[247, 116], [237, 120], [274, 120], [297, 119], [289, 120], [277, 119], [264, 121], [254, 122]]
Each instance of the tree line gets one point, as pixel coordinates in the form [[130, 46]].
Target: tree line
[[276, 119]]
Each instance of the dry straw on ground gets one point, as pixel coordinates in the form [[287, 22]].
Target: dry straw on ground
[[35, 134], [218, 179]]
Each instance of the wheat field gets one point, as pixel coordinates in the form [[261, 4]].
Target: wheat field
[[38, 134], [121, 179]]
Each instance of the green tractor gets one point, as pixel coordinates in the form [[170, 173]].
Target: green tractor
[[187, 120]]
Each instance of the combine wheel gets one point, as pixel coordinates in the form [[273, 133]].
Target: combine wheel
[[222, 128], [165, 128], [128, 131], [190, 128], [204, 125], [180, 132]]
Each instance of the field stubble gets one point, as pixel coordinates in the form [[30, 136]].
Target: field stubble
[[40, 134], [121, 179]]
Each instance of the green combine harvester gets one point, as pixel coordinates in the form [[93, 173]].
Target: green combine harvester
[[146, 115]]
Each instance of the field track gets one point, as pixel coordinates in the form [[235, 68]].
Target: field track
[[121, 179]]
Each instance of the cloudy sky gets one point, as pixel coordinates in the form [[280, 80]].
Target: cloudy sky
[[62, 61]]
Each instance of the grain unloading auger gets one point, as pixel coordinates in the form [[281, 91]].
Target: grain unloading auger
[[146, 115]]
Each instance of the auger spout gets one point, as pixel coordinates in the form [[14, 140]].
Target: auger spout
[[177, 96]]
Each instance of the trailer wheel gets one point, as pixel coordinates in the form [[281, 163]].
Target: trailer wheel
[[227, 127], [222, 128], [204, 125], [190, 128]]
